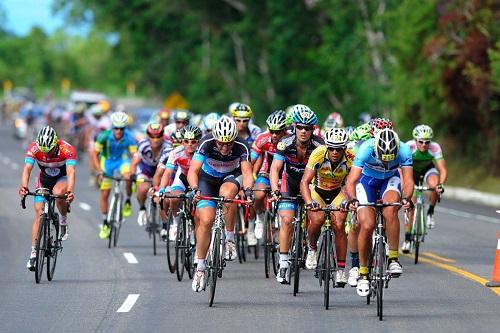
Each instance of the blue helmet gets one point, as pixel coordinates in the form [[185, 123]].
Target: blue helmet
[[302, 114]]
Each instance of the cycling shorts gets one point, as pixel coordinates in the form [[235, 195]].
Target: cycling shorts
[[290, 187], [47, 182], [324, 197], [263, 178], [143, 174], [370, 189], [109, 167], [428, 171], [210, 186]]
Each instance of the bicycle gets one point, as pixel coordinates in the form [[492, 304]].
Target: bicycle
[[327, 259], [115, 212], [215, 259], [419, 226], [379, 275], [298, 250], [271, 226], [152, 216], [48, 243], [185, 242]]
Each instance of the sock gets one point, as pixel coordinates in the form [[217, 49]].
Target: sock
[[355, 259], [260, 217], [407, 236], [393, 255], [230, 236], [341, 263], [201, 265], [363, 271], [177, 219], [142, 207], [430, 211], [63, 220], [284, 260]]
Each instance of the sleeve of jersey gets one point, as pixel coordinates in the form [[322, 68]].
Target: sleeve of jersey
[[171, 161], [100, 141], [29, 158], [280, 151], [436, 151], [256, 149], [315, 159], [406, 158], [70, 156], [244, 151]]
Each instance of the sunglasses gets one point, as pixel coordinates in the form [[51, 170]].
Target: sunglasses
[[181, 122], [119, 128], [156, 138], [242, 120], [304, 128], [190, 142], [275, 132], [336, 149], [224, 144], [424, 142]]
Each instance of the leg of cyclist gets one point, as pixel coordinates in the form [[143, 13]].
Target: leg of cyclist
[[432, 180], [174, 205], [287, 214], [34, 233], [352, 241], [261, 183], [205, 211], [392, 226], [60, 188], [142, 190], [229, 189], [125, 171], [338, 225], [317, 220]]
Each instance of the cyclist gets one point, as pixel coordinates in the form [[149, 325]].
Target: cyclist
[[293, 153], [181, 119], [208, 122], [164, 116], [334, 120], [112, 151], [175, 172], [263, 150], [56, 159], [428, 162], [242, 114], [376, 167], [220, 166], [145, 161], [364, 117], [328, 166]]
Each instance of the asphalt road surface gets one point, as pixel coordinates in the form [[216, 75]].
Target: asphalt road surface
[[444, 293]]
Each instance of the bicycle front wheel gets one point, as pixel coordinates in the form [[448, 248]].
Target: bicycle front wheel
[[118, 219], [267, 244], [180, 249], [380, 275], [327, 266], [171, 258], [214, 266], [40, 247], [53, 248], [297, 258]]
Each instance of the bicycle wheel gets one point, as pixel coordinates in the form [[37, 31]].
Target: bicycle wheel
[[318, 273], [118, 219], [371, 265], [171, 258], [214, 266], [417, 228], [240, 237], [53, 247], [111, 221], [380, 275], [40, 247], [275, 253], [180, 249], [190, 250], [327, 264], [297, 257], [154, 224], [267, 243]]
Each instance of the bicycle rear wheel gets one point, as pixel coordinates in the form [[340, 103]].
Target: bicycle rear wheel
[[171, 258], [53, 247], [327, 265], [267, 243], [380, 274], [40, 247], [214, 266], [180, 249], [297, 257]]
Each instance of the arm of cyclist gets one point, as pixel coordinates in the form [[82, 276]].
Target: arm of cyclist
[[23, 189], [257, 164], [70, 173], [350, 186], [192, 177], [274, 176], [407, 186], [247, 174], [443, 174], [307, 178]]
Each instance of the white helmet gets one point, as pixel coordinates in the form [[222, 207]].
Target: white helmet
[[423, 132], [119, 119], [225, 130], [209, 120], [336, 138]]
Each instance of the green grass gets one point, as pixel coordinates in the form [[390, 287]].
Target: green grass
[[472, 176]]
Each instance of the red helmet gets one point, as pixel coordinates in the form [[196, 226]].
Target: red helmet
[[155, 130], [378, 124]]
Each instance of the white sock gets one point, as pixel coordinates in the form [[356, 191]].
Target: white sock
[[230, 236], [284, 260], [201, 265]]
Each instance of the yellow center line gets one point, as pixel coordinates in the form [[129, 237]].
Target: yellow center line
[[456, 270], [435, 256]]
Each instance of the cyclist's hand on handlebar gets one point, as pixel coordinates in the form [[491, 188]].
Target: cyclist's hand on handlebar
[[349, 204], [440, 189], [133, 177], [23, 191], [100, 177], [313, 206], [70, 196], [248, 194], [407, 203], [194, 194], [275, 196]]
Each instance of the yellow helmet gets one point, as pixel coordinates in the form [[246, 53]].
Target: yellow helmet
[[240, 110], [105, 105]]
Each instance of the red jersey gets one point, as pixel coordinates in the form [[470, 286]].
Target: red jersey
[[263, 145], [52, 166]]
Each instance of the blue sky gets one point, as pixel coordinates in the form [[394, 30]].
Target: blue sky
[[21, 15]]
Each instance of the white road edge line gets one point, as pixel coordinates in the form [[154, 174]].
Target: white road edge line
[[130, 258], [468, 215], [129, 303]]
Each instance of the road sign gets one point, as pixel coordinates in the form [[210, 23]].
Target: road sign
[[176, 101]]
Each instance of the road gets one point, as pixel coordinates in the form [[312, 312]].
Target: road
[[442, 294]]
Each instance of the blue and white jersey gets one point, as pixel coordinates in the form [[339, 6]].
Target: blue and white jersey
[[217, 165], [373, 167]]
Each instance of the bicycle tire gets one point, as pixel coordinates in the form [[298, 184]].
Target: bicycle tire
[[111, 222], [214, 266], [240, 237], [381, 260], [170, 245], [40, 246], [327, 266], [275, 246], [180, 250], [416, 235], [370, 273], [267, 244], [118, 219], [154, 224], [53, 247], [297, 258], [190, 251]]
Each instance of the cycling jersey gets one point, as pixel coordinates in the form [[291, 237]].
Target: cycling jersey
[[148, 162], [263, 145], [425, 160], [373, 167], [286, 150], [327, 176], [109, 148], [253, 132], [217, 165], [52, 166], [179, 158]]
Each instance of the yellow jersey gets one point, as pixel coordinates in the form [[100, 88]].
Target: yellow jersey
[[326, 177]]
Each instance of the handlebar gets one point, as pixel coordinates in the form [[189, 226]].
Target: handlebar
[[41, 193], [380, 204], [328, 208], [224, 200]]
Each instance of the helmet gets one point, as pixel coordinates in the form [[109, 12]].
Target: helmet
[[164, 114], [386, 145], [119, 119], [96, 110], [209, 120], [155, 130], [330, 123], [364, 117], [176, 137], [276, 120], [241, 111], [423, 132], [225, 130], [46, 139], [302, 114], [349, 130], [182, 115], [336, 138], [362, 132], [379, 123], [289, 115], [80, 108], [191, 132], [335, 118], [105, 105]]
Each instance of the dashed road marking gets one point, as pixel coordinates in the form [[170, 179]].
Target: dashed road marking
[[84, 206], [130, 258], [129, 303]]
